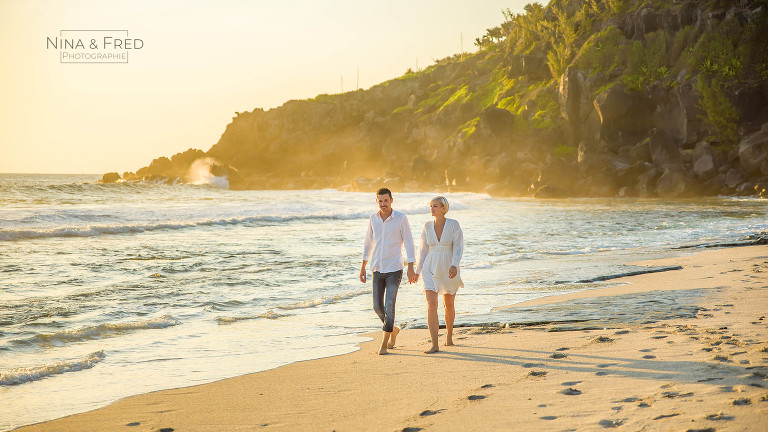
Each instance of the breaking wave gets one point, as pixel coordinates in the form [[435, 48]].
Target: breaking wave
[[96, 332], [24, 375], [319, 301]]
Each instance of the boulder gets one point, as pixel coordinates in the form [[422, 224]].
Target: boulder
[[159, 166], [703, 161], [645, 185], [665, 153], [499, 122], [671, 184], [735, 177], [641, 151], [753, 150], [715, 184], [110, 177], [613, 104]]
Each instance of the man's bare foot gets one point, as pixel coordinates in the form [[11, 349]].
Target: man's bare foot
[[392, 338], [383, 351], [449, 342], [432, 350]]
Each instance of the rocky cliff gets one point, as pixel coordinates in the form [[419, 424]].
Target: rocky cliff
[[578, 98]]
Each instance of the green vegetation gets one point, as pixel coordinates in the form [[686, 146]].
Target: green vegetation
[[720, 113]]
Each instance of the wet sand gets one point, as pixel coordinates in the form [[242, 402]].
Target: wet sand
[[680, 350]]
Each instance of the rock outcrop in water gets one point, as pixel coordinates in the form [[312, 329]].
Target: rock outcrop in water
[[599, 98]]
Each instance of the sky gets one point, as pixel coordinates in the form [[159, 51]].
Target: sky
[[200, 62]]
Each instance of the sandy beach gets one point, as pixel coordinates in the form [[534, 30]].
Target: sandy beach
[[706, 371]]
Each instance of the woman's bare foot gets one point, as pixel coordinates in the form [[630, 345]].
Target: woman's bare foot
[[449, 342], [392, 338], [383, 351], [432, 350]]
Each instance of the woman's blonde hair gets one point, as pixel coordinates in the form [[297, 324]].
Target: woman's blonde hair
[[442, 200]]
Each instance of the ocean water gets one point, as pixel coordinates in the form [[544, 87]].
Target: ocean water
[[108, 291]]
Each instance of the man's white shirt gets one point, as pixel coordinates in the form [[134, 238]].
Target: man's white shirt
[[384, 241]]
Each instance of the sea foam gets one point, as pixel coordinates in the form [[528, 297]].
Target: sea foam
[[23, 375]]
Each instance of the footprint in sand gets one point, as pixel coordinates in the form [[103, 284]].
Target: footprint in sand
[[430, 412], [486, 386], [649, 356], [570, 391], [562, 349], [663, 416], [475, 397], [759, 371], [134, 424], [673, 395], [571, 383], [742, 402], [558, 355], [537, 373], [611, 423], [621, 332], [548, 417], [601, 373], [602, 339], [709, 379], [719, 416], [411, 429], [659, 337]]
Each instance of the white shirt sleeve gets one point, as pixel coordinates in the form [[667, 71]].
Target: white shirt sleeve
[[368, 245], [458, 245], [408, 240], [423, 249]]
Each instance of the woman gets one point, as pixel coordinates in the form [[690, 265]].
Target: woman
[[442, 244]]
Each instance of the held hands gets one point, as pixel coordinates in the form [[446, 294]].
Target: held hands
[[414, 279], [452, 272]]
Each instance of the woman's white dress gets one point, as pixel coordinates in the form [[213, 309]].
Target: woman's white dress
[[437, 257]]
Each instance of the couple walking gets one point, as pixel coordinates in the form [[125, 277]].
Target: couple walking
[[442, 244]]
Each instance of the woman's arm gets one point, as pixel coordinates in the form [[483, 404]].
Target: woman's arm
[[458, 245], [423, 249]]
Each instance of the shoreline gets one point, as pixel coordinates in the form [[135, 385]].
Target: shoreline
[[688, 372]]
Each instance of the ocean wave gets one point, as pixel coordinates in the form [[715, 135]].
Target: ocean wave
[[96, 332], [271, 314], [24, 375], [266, 315], [98, 230], [319, 301]]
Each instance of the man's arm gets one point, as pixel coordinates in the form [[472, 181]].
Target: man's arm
[[362, 272], [367, 249], [405, 229]]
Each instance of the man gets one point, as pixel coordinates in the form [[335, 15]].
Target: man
[[388, 232]]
